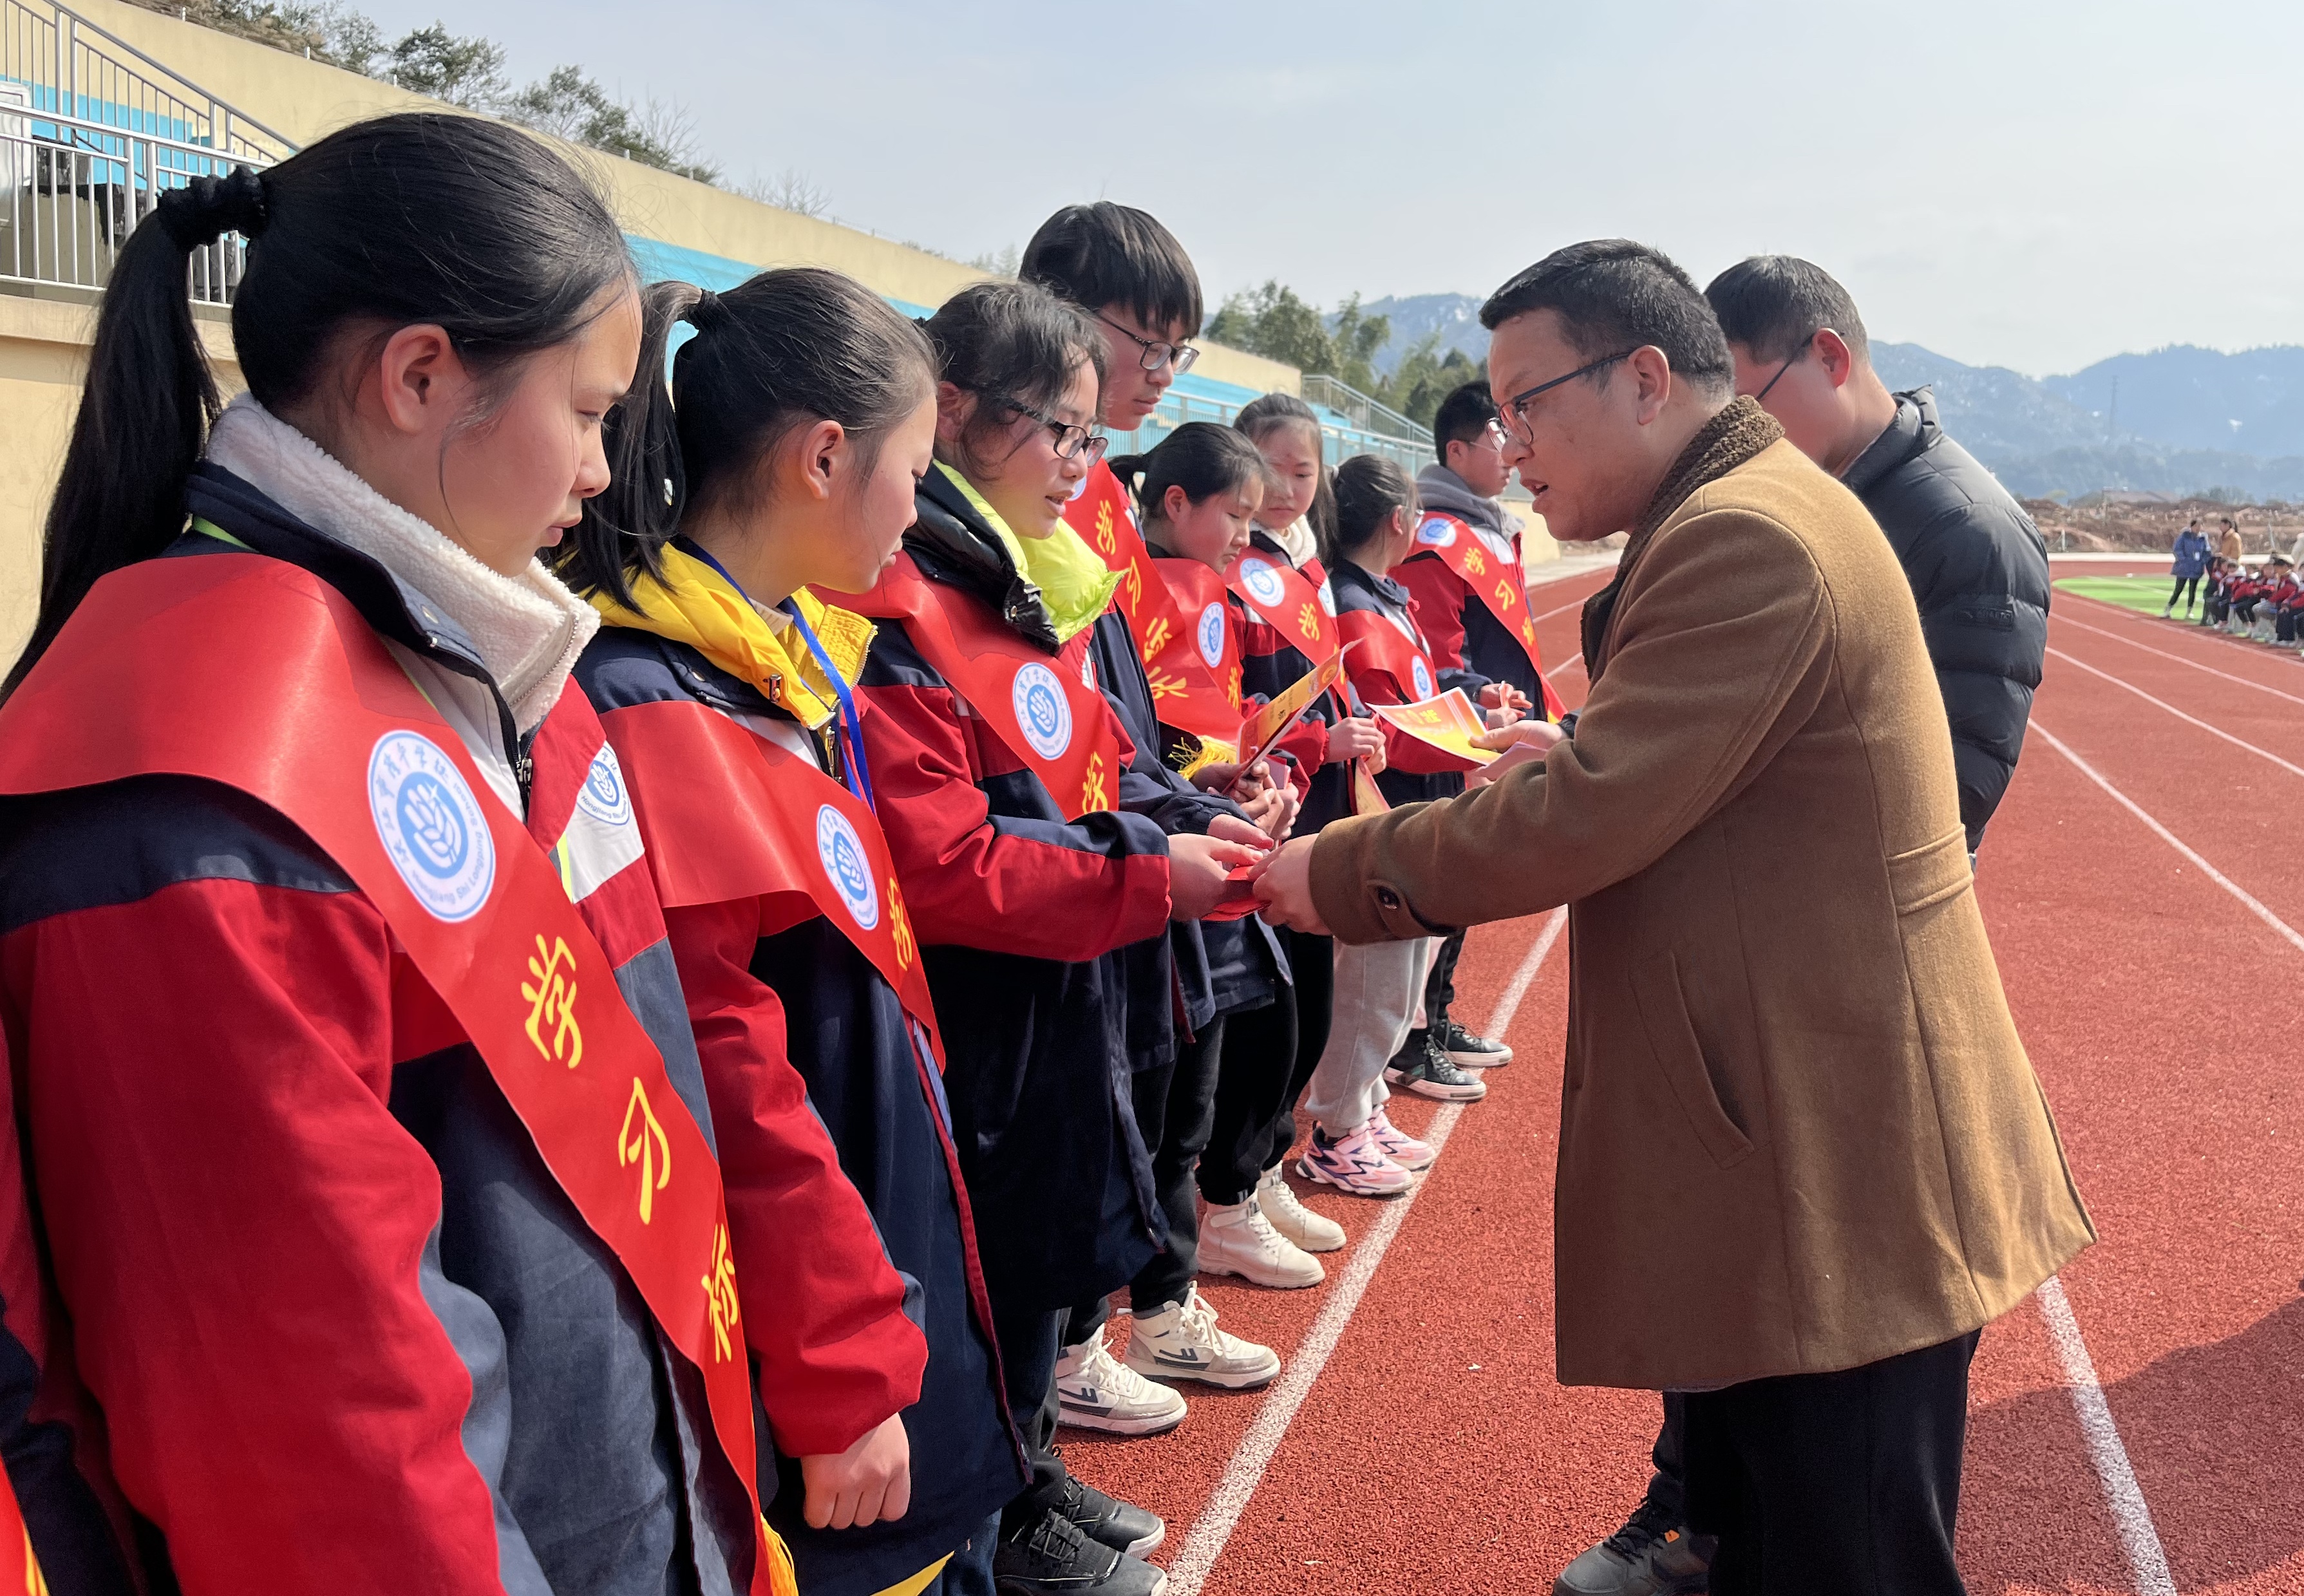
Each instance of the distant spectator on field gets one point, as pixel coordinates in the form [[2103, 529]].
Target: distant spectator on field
[[1976, 564], [2192, 562], [2229, 544]]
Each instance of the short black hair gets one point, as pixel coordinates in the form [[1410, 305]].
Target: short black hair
[[1462, 418], [1107, 254], [1613, 294], [1774, 304]]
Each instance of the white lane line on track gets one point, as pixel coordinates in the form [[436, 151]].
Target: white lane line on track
[[2130, 1515], [2173, 841], [1573, 604], [2293, 770], [1213, 1530], [2163, 653]]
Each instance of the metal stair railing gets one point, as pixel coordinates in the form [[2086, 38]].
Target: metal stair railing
[[92, 132], [1368, 415]]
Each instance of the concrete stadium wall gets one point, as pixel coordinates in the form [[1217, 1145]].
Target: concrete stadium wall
[[44, 333]]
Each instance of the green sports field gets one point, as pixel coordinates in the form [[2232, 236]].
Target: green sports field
[[2147, 593]]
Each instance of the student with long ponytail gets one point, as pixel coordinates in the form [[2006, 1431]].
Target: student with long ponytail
[[364, 1124], [1038, 889], [784, 456]]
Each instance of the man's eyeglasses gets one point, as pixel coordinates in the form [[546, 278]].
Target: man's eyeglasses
[[1157, 351], [1073, 442], [1791, 360], [1513, 414]]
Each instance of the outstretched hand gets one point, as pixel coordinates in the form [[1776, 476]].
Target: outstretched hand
[[1523, 742], [1200, 869], [1285, 883]]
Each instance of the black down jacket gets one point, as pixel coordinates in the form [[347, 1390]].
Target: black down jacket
[[1979, 572]]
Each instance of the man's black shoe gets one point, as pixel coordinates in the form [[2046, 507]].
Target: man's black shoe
[[1421, 1067], [1651, 1556], [1119, 1525], [1471, 1051], [1053, 1558]]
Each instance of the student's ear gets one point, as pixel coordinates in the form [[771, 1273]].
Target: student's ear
[[419, 374], [1174, 504], [1833, 353], [822, 451], [956, 409]]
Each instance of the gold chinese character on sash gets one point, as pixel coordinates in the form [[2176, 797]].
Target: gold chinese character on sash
[[1528, 634], [1504, 592], [1164, 686], [1134, 584], [642, 1142], [720, 1298], [1474, 564], [1155, 637], [1092, 794], [900, 925], [1105, 539], [35, 1583], [552, 1002], [1308, 621]]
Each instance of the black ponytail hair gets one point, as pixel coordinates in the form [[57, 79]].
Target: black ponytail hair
[[404, 219], [1369, 489], [1260, 418], [1200, 457], [1010, 344], [780, 350]]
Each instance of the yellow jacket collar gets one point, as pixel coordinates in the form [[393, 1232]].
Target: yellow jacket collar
[[1075, 584]]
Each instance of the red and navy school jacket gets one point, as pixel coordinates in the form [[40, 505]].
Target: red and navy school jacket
[[1025, 917], [800, 1034], [1269, 664], [1470, 647], [1414, 772], [347, 1331]]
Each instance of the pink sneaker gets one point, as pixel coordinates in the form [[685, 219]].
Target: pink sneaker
[[1397, 1145], [1353, 1163]]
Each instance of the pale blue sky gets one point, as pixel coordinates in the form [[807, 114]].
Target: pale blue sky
[[2035, 185]]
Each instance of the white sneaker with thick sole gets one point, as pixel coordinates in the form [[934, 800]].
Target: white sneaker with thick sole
[[1237, 1239], [1312, 1232], [1095, 1390], [1181, 1341]]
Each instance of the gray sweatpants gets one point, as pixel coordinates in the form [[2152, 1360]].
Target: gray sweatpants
[[1379, 986]]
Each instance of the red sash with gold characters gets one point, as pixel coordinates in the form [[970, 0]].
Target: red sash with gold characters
[[1382, 645], [1500, 585], [253, 672], [16, 1553], [1054, 719], [1195, 669], [1191, 693], [16, 1539], [728, 814], [1289, 600]]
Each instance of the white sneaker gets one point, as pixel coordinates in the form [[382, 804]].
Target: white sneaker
[[1096, 1391], [1181, 1341], [1236, 1239], [1311, 1232]]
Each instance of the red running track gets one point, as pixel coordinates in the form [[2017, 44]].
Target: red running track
[[1419, 1442]]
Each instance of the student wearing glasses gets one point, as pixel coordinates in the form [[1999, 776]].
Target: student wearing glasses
[[998, 765]]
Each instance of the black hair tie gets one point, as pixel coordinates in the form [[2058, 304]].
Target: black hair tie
[[708, 312], [207, 208]]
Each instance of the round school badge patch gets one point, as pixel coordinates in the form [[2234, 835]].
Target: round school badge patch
[[430, 825], [1328, 597], [841, 851], [1045, 719], [1212, 635], [1423, 674], [1262, 582], [1436, 533], [603, 796]]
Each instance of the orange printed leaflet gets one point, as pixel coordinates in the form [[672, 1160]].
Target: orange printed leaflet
[[1266, 723], [1448, 722]]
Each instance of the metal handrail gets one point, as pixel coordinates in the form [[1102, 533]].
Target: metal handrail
[[1337, 443], [1372, 416], [49, 45]]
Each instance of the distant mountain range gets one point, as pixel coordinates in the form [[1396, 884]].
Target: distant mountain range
[[2179, 420]]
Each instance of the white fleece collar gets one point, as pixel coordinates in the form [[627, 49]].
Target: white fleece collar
[[529, 628]]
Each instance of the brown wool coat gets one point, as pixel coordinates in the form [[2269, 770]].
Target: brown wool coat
[[1798, 1132]]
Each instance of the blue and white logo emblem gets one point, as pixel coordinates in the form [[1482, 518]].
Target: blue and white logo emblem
[[1212, 635], [1039, 701], [1328, 597], [1262, 582], [603, 796], [1423, 674], [430, 825], [1436, 533], [845, 866]]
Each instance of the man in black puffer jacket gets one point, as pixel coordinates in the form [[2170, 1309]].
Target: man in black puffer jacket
[[1976, 564], [1978, 571]]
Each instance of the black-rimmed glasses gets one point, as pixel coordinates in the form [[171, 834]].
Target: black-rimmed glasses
[[1157, 351], [1073, 442], [1511, 414], [1791, 360]]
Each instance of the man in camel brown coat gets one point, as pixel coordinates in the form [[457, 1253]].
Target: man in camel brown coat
[[1803, 1156]]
